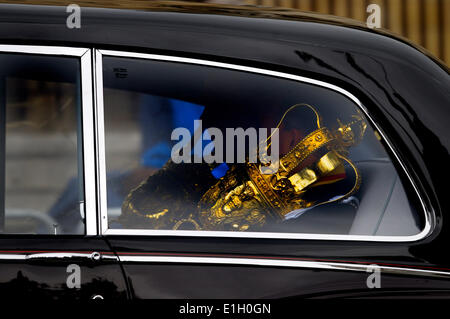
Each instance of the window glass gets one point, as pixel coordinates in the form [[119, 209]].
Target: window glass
[[40, 166], [192, 147]]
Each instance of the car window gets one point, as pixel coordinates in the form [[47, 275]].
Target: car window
[[194, 147], [40, 165]]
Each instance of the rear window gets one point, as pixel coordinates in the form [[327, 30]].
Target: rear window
[[201, 148]]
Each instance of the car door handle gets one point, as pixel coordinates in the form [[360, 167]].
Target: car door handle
[[94, 256]]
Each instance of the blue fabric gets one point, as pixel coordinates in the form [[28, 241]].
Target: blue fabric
[[220, 170], [183, 114], [156, 156]]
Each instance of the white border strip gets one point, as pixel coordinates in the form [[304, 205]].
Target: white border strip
[[429, 216]]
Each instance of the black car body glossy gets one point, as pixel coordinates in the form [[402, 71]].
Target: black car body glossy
[[406, 91]]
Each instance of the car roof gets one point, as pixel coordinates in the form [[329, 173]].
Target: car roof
[[158, 24]]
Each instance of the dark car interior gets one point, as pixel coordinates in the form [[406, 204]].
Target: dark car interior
[[237, 99], [171, 91]]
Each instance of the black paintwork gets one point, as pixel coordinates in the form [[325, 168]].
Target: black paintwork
[[46, 278], [406, 91]]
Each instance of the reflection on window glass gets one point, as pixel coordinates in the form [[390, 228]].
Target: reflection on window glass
[[191, 147], [40, 138]]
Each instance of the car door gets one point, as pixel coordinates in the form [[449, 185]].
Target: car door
[[49, 246], [190, 217]]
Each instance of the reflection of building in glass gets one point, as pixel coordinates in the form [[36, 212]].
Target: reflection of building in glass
[[424, 22], [41, 141]]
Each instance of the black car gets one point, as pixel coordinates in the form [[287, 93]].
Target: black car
[[135, 156]]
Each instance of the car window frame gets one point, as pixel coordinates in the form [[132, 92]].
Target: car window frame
[[101, 159], [84, 55]]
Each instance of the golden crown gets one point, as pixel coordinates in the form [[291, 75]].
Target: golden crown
[[250, 196], [249, 199]]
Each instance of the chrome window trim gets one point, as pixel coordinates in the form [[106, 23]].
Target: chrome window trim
[[84, 55], [101, 169], [100, 145], [325, 265], [89, 158], [301, 264], [43, 50]]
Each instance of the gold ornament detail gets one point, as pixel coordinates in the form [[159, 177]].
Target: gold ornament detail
[[246, 199]]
